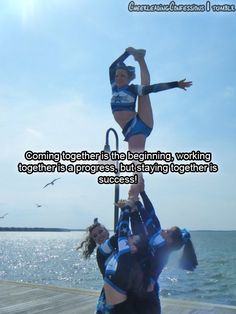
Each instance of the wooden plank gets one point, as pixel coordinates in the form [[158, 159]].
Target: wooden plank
[[26, 298], [19, 298]]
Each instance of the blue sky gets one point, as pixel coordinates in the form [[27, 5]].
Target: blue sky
[[55, 94]]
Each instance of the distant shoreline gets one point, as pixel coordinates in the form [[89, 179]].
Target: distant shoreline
[[40, 229]]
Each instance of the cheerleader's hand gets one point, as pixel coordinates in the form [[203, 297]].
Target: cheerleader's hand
[[184, 85]]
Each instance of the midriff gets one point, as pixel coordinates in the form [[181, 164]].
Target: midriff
[[122, 117]]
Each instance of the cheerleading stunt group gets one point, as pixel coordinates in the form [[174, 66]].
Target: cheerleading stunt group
[[132, 259]]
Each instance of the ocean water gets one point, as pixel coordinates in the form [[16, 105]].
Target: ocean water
[[51, 258]]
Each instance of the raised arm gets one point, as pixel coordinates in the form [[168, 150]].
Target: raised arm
[[117, 62], [137, 225], [150, 210], [123, 230], [104, 251]]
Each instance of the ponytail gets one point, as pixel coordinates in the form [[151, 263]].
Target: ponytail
[[182, 238], [188, 260], [88, 245]]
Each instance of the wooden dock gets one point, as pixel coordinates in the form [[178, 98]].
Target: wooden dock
[[26, 298]]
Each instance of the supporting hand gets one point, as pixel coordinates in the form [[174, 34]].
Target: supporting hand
[[123, 203]]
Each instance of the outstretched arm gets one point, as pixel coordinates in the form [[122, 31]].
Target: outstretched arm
[[155, 88]]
